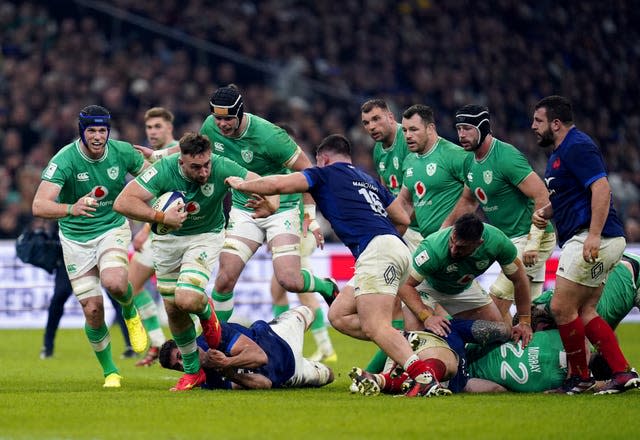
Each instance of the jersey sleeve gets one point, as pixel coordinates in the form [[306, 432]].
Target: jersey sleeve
[[423, 262], [507, 250], [518, 167], [151, 179], [135, 161], [314, 176], [585, 162], [281, 147], [56, 172], [460, 163]]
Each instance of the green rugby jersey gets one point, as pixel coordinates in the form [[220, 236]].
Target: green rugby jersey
[[435, 181], [203, 203], [451, 276], [494, 181], [262, 147], [78, 175], [538, 367]]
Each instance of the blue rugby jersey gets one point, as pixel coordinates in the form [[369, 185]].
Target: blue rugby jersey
[[571, 169], [353, 202]]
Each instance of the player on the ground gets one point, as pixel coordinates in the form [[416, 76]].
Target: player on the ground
[[263, 356]]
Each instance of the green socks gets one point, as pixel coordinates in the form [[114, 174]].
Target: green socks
[[100, 341]]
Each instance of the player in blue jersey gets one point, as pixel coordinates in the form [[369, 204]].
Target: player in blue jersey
[[592, 240], [362, 213], [265, 355]]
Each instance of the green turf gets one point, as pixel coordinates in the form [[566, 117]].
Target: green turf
[[63, 398]]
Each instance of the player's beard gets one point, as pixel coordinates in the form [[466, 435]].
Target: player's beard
[[470, 146], [546, 138]]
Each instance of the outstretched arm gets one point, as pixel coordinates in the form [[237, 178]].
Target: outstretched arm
[[268, 185]]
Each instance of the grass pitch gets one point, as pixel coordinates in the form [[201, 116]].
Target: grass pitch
[[63, 398]]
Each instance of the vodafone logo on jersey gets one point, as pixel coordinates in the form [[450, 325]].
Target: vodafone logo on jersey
[[481, 196], [99, 192], [192, 208], [393, 181], [420, 189]]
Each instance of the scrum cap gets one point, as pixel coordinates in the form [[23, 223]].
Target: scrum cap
[[227, 101], [93, 116], [476, 116]]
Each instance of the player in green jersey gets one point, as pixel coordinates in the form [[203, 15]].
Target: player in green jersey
[[542, 364], [265, 149], [185, 258], [158, 125], [539, 366], [503, 184], [78, 188], [434, 171], [444, 270]]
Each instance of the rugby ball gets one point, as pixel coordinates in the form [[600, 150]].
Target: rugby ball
[[162, 203]]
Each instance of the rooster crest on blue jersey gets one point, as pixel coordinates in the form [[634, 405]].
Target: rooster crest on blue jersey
[[162, 203]]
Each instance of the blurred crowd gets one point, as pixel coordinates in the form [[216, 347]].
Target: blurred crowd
[[324, 59]]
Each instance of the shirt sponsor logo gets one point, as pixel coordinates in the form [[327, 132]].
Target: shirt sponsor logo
[[409, 172], [147, 175], [192, 208], [50, 171], [487, 176], [393, 181], [481, 195], [419, 189], [431, 169], [470, 176], [382, 166], [82, 177], [113, 172], [99, 192]]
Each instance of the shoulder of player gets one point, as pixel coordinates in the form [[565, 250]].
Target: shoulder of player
[[68, 150], [501, 148], [491, 231], [453, 151]]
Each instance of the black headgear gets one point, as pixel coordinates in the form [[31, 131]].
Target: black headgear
[[476, 115], [227, 101], [93, 116]]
